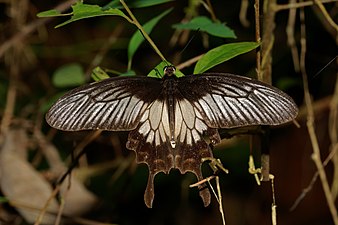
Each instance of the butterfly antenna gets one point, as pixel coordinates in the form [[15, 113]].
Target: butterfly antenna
[[193, 36], [324, 67]]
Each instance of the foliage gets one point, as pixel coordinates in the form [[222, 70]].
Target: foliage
[[212, 58]]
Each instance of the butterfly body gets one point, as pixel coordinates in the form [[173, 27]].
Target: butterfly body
[[169, 117]]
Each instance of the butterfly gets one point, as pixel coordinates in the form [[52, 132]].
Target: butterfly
[[169, 118]]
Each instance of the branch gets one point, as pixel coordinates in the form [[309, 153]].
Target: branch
[[310, 125]]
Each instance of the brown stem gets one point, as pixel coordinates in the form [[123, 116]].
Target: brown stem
[[310, 125]]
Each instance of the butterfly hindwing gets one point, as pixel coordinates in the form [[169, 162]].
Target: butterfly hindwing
[[164, 141]]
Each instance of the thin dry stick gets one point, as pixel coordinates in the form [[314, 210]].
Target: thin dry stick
[[268, 40], [299, 5], [258, 39], [264, 60], [326, 15], [104, 49], [314, 179], [333, 124], [44, 209], [87, 140], [291, 36], [29, 28], [189, 62], [219, 193], [10, 100], [273, 206], [208, 7], [243, 13], [310, 125]]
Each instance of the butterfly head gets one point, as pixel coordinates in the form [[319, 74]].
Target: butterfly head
[[169, 71]]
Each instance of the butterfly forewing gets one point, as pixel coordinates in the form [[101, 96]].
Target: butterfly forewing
[[112, 104], [227, 101]]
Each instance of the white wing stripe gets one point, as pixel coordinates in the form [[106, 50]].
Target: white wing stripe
[[145, 128], [155, 113], [178, 120], [188, 113], [165, 120]]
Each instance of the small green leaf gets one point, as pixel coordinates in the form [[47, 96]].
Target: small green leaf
[[129, 73], [223, 53], [287, 82], [3, 199], [135, 3], [99, 74], [137, 39], [51, 13], [158, 71], [205, 24], [82, 11], [68, 76]]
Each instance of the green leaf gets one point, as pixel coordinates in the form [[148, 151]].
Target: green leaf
[[137, 39], [83, 11], [68, 76], [223, 53], [158, 71], [287, 82], [51, 13], [3, 199], [135, 4], [205, 24], [129, 73], [99, 74]]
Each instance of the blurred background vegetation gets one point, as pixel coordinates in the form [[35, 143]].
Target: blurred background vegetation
[[107, 186]]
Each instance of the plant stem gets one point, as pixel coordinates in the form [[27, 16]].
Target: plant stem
[[139, 26], [310, 125]]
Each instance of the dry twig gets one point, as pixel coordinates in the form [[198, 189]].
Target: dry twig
[[310, 125]]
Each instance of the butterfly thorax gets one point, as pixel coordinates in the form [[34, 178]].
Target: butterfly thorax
[[169, 71]]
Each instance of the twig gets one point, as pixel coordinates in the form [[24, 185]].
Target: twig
[[209, 8], [291, 36], [326, 15], [44, 209], [314, 179], [333, 124], [258, 40], [146, 36], [268, 40], [29, 28], [273, 206], [10, 100], [310, 125], [202, 181], [113, 37], [243, 13], [189, 62], [219, 193], [299, 5]]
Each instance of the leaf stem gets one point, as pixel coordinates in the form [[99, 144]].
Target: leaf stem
[[139, 26]]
